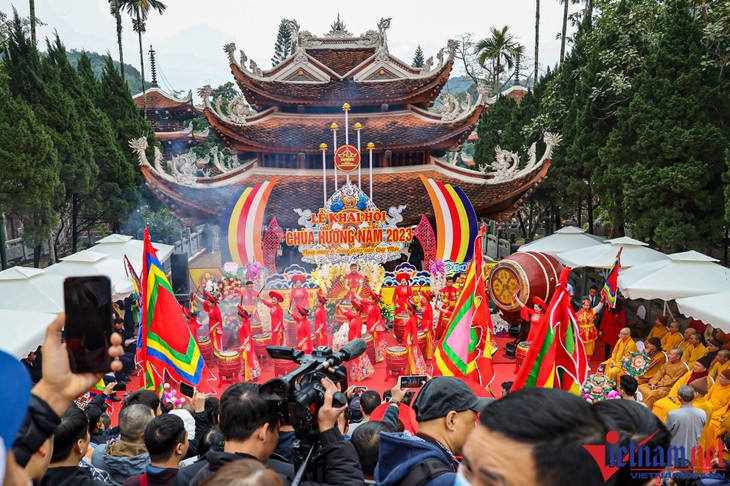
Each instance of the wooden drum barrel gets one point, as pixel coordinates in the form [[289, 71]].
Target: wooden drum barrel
[[206, 348], [521, 353], [260, 341], [291, 332], [399, 326], [257, 329], [229, 362], [283, 366], [396, 359], [370, 349], [534, 274]]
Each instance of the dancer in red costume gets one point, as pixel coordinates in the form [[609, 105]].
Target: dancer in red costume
[[375, 325], [402, 293], [304, 330], [277, 317], [215, 321], [533, 316], [416, 365], [320, 321], [427, 321], [250, 369], [448, 297], [361, 367], [192, 318], [299, 296]]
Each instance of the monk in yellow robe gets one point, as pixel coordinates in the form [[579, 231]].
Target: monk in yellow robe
[[694, 351], [657, 357], [665, 405], [659, 386], [660, 328], [673, 338], [722, 363], [719, 398], [624, 347]]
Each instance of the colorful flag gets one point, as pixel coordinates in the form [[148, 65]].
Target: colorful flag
[[557, 358], [610, 287], [466, 348], [167, 343]]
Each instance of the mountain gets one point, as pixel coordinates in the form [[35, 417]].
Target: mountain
[[98, 61]]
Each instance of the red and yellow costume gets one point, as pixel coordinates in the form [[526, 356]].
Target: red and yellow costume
[[427, 322], [534, 317], [277, 318], [250, 365], [304, 330], [299, 296], [193, 323], [402, 293], [415, 365], [215, 321], [361, 367], [588, 332], [449, 295], [320, 323], [376, 327]]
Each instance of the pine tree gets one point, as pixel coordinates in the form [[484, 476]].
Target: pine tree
[[283, 47], [418, 58], [492, 128]]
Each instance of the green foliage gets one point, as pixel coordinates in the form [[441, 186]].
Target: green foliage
[[283, 47], [497, 52], [495, 128], [418, 58], [98, 63]]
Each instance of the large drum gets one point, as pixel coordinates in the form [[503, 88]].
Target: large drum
[[531, 273], [283, 366], [260, 341], [291, 332], [370, 349], [396, 359], [229, 362], [521, 353], [399, 326], [257, 329], [206, 348]]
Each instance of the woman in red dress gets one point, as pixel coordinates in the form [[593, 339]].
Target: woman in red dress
[[250, 369], [277, 317], [361, 367], [304, 330], [320, 321], [299, 296], [215, 321], [612, 322], [192, 318], [427, 321], [375, 325], [533, 316], [415, 365], [402, 293]]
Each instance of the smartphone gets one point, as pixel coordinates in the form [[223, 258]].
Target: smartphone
[[120, 387], [359, 389], [186, 389], [412, 381], [88, 306]]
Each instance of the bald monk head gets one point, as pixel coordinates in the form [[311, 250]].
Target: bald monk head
[[624, 334], [674, 327], [689, 332]]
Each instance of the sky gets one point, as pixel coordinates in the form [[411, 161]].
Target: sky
[[189, 37]]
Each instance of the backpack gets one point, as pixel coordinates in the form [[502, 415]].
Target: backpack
[[425, 471]]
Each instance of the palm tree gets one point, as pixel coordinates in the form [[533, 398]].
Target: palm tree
[[115, 8], [32, 22], [537, 38], [499, 48], [565, 27], [139, 11]]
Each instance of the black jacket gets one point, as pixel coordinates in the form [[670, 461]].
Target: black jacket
[[40, 423], [69, 476]]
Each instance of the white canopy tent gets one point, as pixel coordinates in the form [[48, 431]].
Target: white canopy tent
[[22, 332], [713, 309], [604, 255], [23, 289], [89, 262], [565, 239], [685, 274], [117, 246]]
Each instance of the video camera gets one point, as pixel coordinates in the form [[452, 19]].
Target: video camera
[[300, 394]]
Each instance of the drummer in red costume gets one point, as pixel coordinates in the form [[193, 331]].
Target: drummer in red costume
[[250, 369], [320, 321], [402, 293], [448, 297], [299, 296], [192, 318], [215, 321], [427, 321], [416, 365], [361, 367], [354, 281], [533, 316], [304, 330], [375, 325], [277, 317]]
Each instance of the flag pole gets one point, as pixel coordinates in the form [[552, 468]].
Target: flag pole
[[323, 148], [334, 128]]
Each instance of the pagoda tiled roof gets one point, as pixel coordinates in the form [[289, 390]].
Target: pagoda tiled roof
[[157, 99], [206, 200], [407, 129]]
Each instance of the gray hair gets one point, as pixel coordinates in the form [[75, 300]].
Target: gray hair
[[678, 351], [686, 393], [133, 421]]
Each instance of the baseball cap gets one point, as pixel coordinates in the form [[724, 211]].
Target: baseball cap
[[443, 394]]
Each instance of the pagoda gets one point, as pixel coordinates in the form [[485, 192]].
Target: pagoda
[[170, 117], [277, 123]]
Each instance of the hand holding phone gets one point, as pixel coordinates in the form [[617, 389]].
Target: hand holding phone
[[88, 327], [413, 381], [187, 389]]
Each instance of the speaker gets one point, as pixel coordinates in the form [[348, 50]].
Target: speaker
[[180, 279]]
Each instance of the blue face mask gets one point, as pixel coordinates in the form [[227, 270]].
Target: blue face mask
[[460, 479]]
